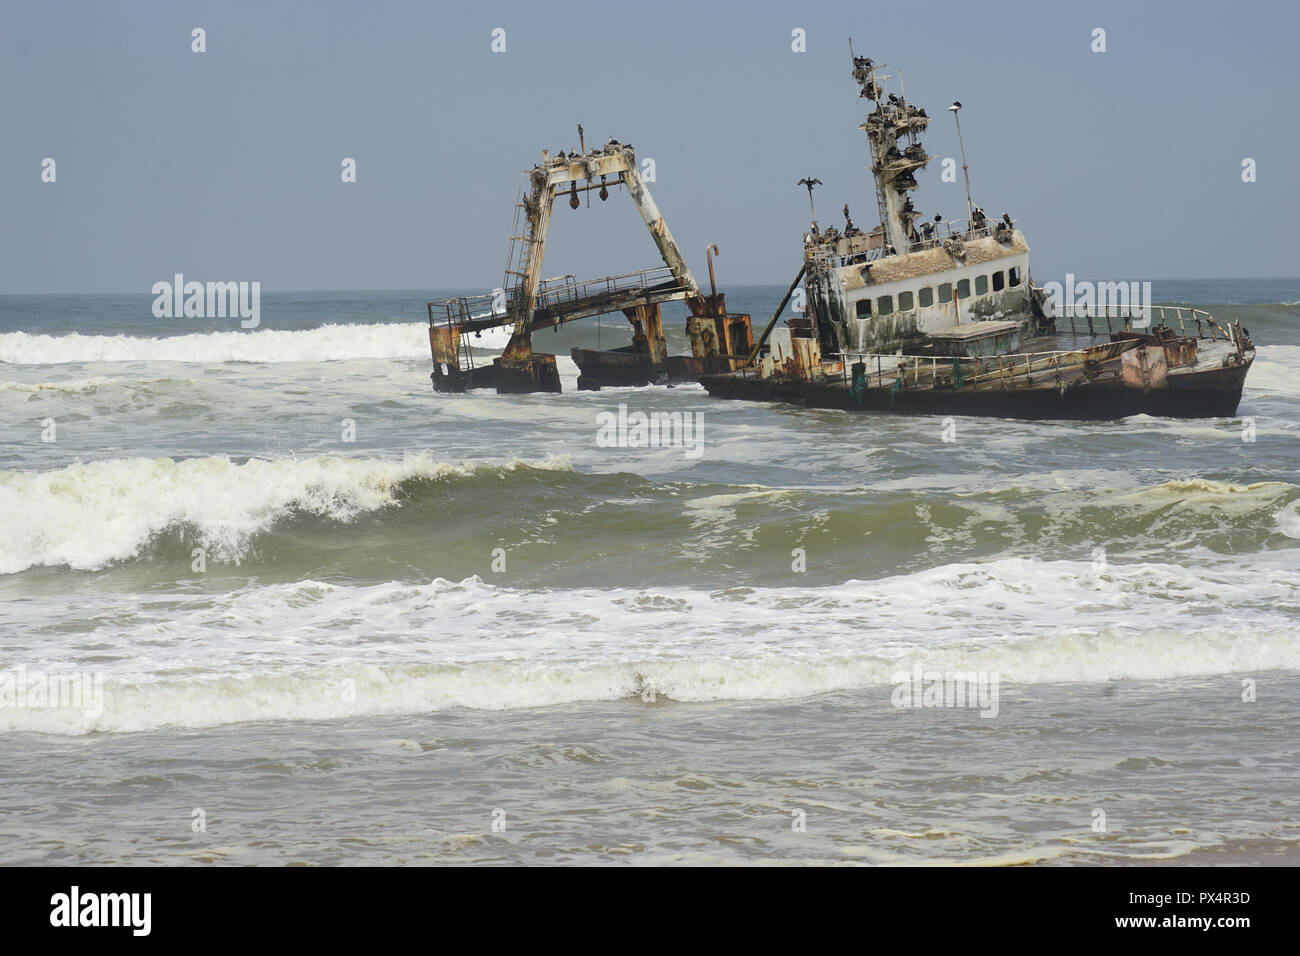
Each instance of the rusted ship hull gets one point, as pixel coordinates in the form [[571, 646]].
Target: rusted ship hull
[[627, 368], [1204, 394]]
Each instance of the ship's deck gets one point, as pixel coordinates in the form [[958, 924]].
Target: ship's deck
[[1047, 360]]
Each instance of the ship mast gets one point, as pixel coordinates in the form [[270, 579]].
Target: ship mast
[[892, 167]]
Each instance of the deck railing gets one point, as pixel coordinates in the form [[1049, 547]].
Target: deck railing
[[553, 294], [1187, 321], [906, 371], [945, 231], [569, 292], [465, 308], [913, 370]]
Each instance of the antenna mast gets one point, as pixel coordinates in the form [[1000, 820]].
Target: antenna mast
[[970, 206], [893, 169]]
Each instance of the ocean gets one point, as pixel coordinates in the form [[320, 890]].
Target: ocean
[[266, 598]]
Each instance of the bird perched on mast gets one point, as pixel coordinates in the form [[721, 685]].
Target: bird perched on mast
[[810, 183]]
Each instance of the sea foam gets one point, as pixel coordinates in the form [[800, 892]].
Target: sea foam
[[324, 344], [319, 651]]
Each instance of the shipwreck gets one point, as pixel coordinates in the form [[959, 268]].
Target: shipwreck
[[915, 316]]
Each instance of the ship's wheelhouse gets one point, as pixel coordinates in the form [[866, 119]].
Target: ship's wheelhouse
[[878, 307]]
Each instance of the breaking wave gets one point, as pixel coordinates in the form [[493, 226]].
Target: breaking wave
[[327, 343], [283, 515], [1275, 370], [86, 516]]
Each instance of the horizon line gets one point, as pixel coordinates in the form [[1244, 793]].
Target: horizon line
[[734, 285]]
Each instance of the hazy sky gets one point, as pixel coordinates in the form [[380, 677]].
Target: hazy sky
[[225, 165]]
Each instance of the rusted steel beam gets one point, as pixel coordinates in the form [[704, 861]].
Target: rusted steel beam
[[648, 332], [654, 221], [519, 349], [777, 314], [444, 342]]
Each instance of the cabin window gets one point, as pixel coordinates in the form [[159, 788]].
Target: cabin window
[[904, 302], [926, 297], [863, 308], [885, 305], [945, 292], [1013, 276], [981, 285], [998, 283], [963, 288]]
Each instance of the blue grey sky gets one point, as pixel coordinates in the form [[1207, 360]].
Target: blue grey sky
[[225, 165]]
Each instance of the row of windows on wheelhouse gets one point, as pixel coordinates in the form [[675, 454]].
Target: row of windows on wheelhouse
[[884, 305]]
